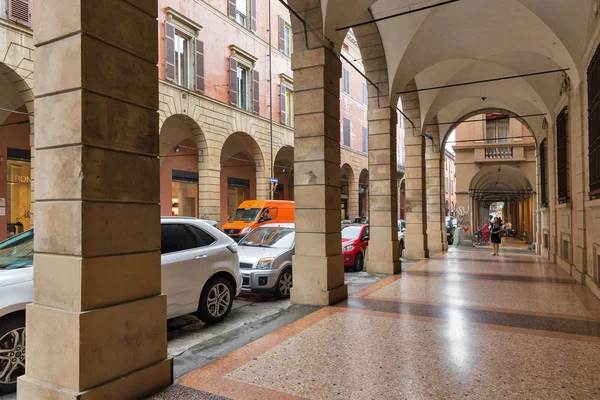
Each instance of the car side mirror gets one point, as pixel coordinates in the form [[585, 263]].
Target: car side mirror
[[365, 238]]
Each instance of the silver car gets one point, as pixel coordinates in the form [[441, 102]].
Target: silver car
[[266, 259], [200, 274]]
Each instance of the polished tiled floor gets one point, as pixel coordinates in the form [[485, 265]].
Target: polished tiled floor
[[461, 325]]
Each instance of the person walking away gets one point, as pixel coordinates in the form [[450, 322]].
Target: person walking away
[[496, 229]]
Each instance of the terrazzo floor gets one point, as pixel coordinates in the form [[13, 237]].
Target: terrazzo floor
[[455, 326]]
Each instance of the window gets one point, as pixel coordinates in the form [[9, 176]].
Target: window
[[447, 186], [346, 132], [543, 173], [289, 106], [496, 128], [365, 96], [365, 140], [562, 157], [177, 237], [181, 59], [203, 239], [346, 77], [17, 10], [593, 76], [287, 38], [242, 87], [184, 54], [241, 11]]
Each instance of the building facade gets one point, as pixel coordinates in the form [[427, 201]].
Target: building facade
[[450, 182], [495, 173]]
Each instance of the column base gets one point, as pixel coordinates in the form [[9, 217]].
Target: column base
[[384, 267], [319, 297], [416, 254], [139, 384]]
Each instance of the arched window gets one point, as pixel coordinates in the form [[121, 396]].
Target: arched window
[[543, 173]]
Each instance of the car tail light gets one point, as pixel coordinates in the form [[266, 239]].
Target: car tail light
[[233, 247]]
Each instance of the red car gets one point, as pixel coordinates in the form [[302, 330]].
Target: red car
[[355, 239]]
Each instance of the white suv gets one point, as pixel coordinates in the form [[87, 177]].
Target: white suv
[[200, 274]]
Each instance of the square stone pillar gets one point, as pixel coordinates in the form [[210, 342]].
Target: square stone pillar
[[318, 261], [416, 246], [436, 207], [97, 326], [384, 250]]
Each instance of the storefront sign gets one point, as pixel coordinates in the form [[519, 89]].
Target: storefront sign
[[20, 179]]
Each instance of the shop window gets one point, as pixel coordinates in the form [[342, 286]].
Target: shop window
[[17, 204], [562, 156], [593, 77], [184, 194], [346, 132], [544, 173], [238, 191]]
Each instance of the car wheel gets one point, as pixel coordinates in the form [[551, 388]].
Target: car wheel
[[12, 352], [401, 248], [216, 300], [284, 284], [358, 263]]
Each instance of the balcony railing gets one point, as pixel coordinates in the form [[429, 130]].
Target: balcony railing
[[499, 153]]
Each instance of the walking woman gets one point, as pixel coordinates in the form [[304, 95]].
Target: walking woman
[[496, 231]]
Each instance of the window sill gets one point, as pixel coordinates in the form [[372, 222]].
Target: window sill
[[565, 205], [592, 203]]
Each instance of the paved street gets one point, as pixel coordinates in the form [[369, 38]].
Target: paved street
[[193, 344]]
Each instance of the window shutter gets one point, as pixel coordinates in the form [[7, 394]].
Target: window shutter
[[233, 92], [170, 51], [283, 110], [281, 34], [346, 141], [255, 93], [232, 9], [199, 65], [253, 16], [18, 11]]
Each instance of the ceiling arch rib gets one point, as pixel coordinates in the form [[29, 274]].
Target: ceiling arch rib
[[518, 94]]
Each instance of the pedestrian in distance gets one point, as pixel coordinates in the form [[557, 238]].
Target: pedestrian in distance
[[497, 230]]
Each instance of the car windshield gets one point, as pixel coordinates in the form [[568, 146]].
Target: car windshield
[[17, 252], [245, 214], [274, 237], [351, 232]]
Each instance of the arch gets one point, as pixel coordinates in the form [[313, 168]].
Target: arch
[[347, 180], [242, 173], [500, 178], [283, 171], [525, 122], [363, 193], [182, 151]]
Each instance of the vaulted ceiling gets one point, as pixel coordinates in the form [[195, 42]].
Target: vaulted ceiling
[[471, 40]]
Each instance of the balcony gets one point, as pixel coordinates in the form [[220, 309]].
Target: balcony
[[500, 152]]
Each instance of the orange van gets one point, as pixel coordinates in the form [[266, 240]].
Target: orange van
[[253, 213]]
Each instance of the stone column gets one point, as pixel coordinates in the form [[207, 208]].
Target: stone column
[[384, 250], [416, 206], [318, 261], [209, 185], [434, 181], [353, 210], [97, 326]]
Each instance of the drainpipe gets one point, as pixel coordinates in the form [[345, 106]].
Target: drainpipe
[[271, 192]]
